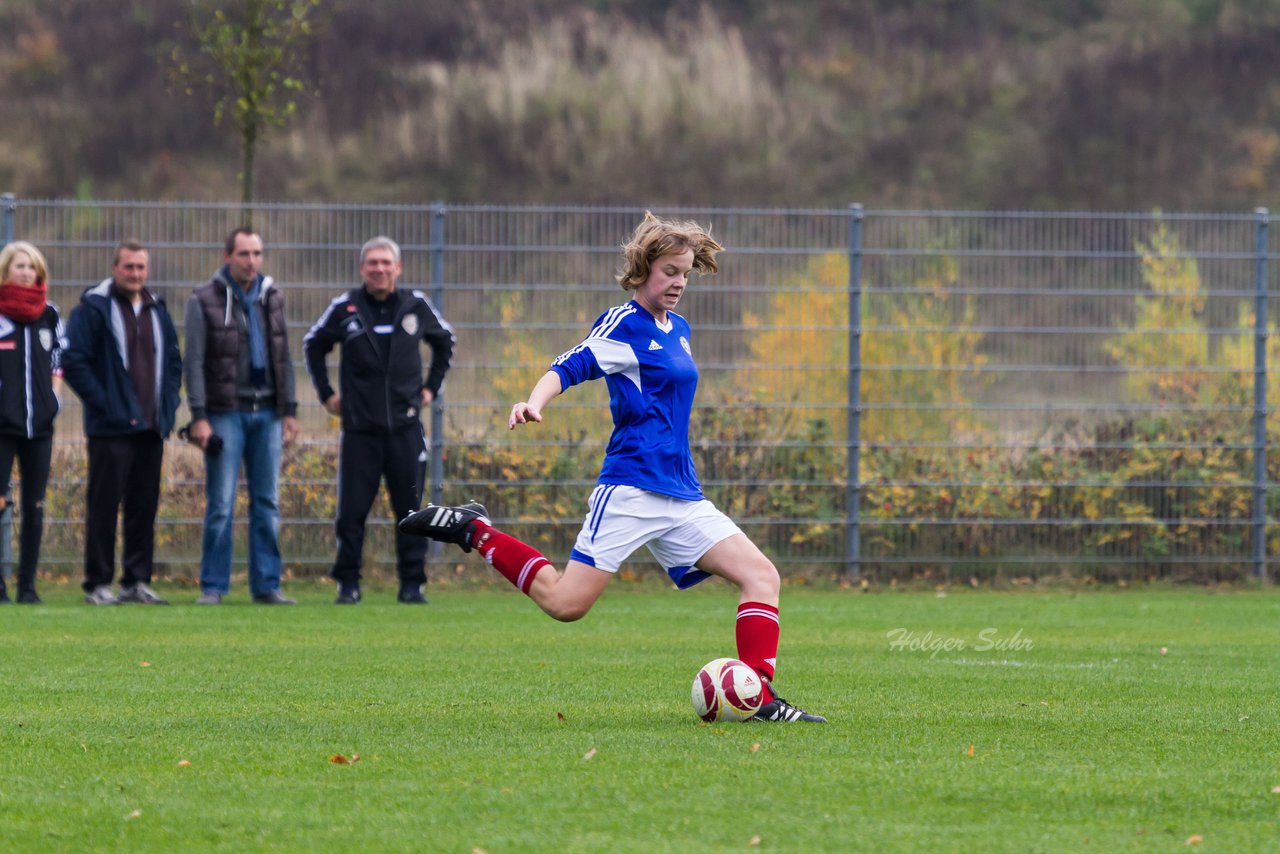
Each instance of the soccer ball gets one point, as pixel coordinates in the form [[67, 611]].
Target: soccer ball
[[727, 690]]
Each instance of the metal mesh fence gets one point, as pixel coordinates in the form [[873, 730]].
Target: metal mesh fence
[[894, 393]]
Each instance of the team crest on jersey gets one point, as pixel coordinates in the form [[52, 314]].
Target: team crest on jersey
[[410, 324], [46, 339], [684, 342]]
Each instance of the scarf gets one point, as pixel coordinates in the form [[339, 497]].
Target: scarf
[[257, 338], [23, 303], [139, 337]]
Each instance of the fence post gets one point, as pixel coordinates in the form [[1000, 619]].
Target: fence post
[[1261, 219], [437, 406], [10, 205], [853, 486]]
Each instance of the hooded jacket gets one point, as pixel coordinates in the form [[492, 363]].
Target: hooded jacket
[[30, 357], [95, 365]]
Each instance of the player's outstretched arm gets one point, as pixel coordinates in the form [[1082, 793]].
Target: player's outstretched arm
[[531, 410]]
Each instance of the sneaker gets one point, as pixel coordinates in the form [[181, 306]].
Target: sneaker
[[348, 594], [411, 594], [141, 594], [275, 597], [101, 595], [446, 524], [210, 597], [779, 710], [29, 597]]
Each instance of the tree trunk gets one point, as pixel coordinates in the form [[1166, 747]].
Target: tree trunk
[[246, 173]]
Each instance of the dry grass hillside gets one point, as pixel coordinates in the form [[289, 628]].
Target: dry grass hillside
[[1128, 104]]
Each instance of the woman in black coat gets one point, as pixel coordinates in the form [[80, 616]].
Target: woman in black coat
[[30, 373]]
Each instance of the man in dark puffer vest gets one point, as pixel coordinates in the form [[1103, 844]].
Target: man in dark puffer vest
[[240, 389]]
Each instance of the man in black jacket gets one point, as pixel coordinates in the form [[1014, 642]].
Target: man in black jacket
[[124, 363], [382, 395]]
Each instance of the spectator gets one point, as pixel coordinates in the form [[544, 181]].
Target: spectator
[[31, 344], [383, 393], [240, 390], [123, 361], [6, 542]]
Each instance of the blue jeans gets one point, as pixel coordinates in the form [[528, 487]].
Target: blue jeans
[[256, 438]]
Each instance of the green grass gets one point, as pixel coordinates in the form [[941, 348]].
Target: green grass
[[473, 719]]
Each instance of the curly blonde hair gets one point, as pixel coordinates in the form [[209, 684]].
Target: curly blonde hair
[[655, 237]]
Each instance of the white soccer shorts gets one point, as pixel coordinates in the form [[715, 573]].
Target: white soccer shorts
[[621, 519]]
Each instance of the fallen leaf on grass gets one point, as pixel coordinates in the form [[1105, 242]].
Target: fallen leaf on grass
[[339, 759], [753, 842], [133, 815], [478, 851], [1164, 650], [969, 752], [184, 763], [755, 747], [144, 663], [1195, 839], [588, 754], [1275, 790], [560, 716]]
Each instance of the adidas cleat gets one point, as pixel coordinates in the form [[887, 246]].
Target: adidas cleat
[[780, 710], [446, 524]]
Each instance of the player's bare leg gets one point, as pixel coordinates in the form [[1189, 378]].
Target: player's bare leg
[[568, 596]]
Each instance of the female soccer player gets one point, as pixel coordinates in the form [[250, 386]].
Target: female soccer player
[[648, 491]]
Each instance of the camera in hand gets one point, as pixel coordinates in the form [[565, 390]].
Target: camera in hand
[[213, 447]]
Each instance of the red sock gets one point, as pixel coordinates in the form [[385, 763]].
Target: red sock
[[517, 562], [757, 633]]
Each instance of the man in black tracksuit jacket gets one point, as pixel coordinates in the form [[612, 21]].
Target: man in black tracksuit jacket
[[382, 395]]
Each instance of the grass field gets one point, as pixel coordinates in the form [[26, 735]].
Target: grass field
[[1110, 721]]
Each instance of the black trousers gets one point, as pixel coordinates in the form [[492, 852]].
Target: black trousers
[[122, 469], [33, 461], [365, 460]]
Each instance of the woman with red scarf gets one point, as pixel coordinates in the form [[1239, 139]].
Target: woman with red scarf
[[31, 344]]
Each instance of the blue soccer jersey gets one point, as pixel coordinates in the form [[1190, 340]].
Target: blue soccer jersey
[[652, 378]]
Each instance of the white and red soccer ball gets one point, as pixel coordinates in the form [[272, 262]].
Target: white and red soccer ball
[[727, 690]]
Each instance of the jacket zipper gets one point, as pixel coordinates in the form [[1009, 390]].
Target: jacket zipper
[[31, 417]]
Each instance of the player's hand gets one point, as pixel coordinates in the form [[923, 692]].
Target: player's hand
[[522, 413], [333, 405]]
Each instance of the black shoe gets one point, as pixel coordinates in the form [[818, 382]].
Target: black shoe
[[445, 524], [411, 594], [29, 597], [779, 710], [348, 594], [275, 597]]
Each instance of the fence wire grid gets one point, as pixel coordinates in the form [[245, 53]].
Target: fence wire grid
[[951, 394]]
